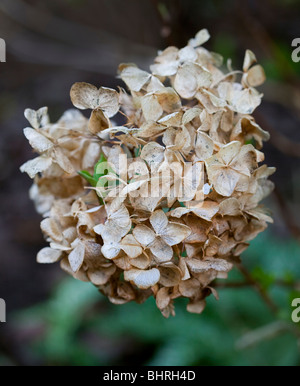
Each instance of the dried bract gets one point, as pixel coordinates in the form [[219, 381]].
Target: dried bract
[[163, 204]]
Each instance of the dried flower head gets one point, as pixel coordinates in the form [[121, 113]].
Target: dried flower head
[[165, 203]]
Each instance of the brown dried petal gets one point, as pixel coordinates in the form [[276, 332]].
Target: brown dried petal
[[84, 95], [166, 63], [141, 262], [199, 266], [201, 37], [175, 233], [52, 229], [108, 101], [77, 255], [101, 277], [163, 298], [36, 165], [249, 59], [143, 279], [48, 255], [159, 221], [189, 78], [130, 246], [151, 107], [111, 249], [153, 154], [256, 76], [168, 99], [62, 160], [134, 78], [38, 142], [150, 129], [161, 250], [230, 207], [199, 229], [189, 288], [170, 275], [38, 118], [144, 235], [98, 121], [87, 96], [196, 307], [204, 146], [79, 275], [206, 210], [184, 269]]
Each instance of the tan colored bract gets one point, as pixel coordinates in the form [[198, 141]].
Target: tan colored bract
[[187, 203]]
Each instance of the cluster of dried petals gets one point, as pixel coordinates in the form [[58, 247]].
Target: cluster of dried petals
[[186, 118]]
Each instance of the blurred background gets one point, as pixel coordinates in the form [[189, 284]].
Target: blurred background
[[55, 320]]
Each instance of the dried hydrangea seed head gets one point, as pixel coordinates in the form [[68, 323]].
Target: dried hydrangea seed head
[[165, 204]]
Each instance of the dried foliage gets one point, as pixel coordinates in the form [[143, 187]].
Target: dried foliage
[[187, 204]]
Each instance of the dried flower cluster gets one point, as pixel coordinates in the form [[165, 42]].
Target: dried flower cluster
[[185, 206]]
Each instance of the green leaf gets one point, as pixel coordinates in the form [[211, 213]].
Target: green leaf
[[93, 180], [87, 176], [250, 142], [137, 151], [97, 175]]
